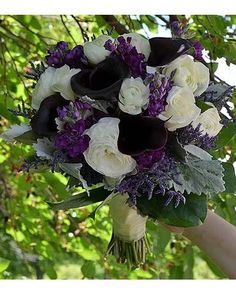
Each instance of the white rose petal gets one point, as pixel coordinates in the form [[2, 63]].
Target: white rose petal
[[52, 81], [189, 73], [133, 96], [203, 78], [181, 109], [95, 50], [140, 42], [61, 82], [103, 154], [43, 88], [15, 131], [210, 122]]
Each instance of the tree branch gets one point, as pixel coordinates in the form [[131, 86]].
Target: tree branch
[[114, 23], [83, 33], [67, 29]]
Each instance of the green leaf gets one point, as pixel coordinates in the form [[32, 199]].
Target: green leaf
[[80, 200], [72, 182], [4, 263], [6, 114], [176, 272], [160, 237], [203, 106], [35, 23], [88, 269], [28, 137], [229, 178], [50, 271], [200, 176], [192, 213], [226, 134], [188, 262]]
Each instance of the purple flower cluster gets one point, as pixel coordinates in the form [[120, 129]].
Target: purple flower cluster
[[198, 51], [71, 140], [74, 111], [61, 55], [148, 158], [159, 89], [75, 120], [129, 54], [191, 135], [150, 182]]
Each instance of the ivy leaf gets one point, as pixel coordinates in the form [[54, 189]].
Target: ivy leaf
[[80, 200], [192, 213], [200, 176]]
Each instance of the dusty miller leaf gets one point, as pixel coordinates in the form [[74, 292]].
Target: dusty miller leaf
[[200, 176]]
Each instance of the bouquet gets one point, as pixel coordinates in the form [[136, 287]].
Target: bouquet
[[131, 120]]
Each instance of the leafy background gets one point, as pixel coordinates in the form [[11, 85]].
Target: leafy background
[[36, 242]]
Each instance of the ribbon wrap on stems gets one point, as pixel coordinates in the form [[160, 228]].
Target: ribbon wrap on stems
[[128, 242]]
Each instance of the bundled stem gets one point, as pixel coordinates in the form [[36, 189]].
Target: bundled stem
[[134, 253], [128, 242]]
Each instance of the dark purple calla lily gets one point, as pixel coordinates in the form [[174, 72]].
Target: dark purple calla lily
[[103, 82], [43, 122], [165, 50], [139, 134]]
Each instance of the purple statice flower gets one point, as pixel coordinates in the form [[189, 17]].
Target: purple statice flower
[[148, 158], [191, 135], [152, 181], [159, 89], [73, 120], [198, 51], [75, 56], [56, 55], [74, 111], [71, 140], [129, 54], [61, 55]]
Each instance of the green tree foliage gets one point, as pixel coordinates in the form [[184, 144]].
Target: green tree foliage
[[37, 242]]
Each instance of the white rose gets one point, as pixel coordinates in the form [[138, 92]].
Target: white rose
[[133, 96], [210, 122], [189, 73], [103, 154], [95, 50], [61, 82], [181, 109], [43, 88], [52, 81], [140, 42]]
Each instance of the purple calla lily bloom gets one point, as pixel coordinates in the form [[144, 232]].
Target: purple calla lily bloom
[[103, 82], [43, 122], [140, 133], [165, 50]]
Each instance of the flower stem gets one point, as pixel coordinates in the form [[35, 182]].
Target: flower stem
[[132, 253]]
